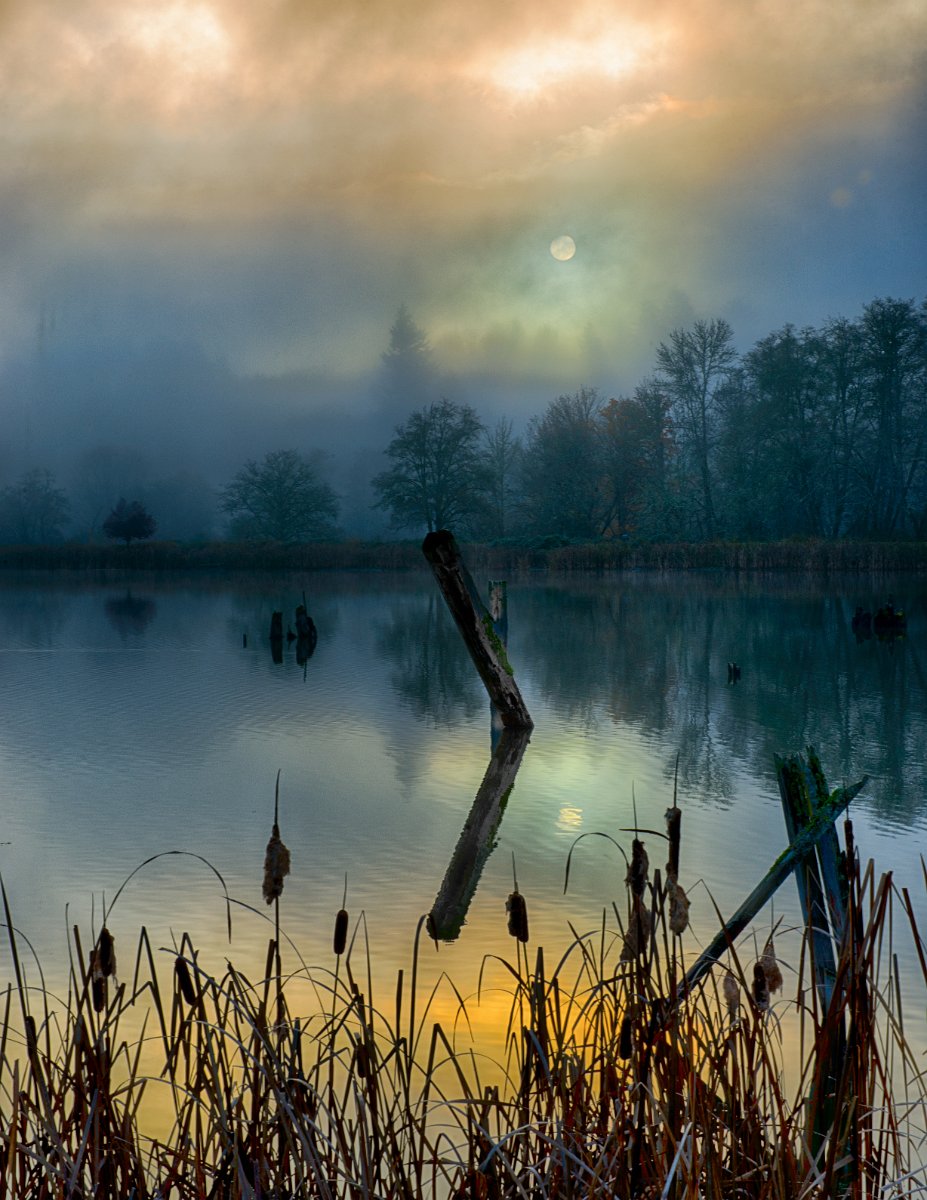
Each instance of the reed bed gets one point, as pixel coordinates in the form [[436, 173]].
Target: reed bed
[[811, 555], [613, 1083]]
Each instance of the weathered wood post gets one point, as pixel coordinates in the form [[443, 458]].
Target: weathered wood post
[[476, 628], [499, 611]]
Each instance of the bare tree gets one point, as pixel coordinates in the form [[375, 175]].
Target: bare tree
[[693, 365], [281, 498], [33, 511]]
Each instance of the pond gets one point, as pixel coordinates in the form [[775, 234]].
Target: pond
[[149, 716]]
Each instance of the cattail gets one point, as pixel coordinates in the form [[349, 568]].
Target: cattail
[[98, 987], [106, 953], [340, 939], [625, 1045], [770, 966], [276, 866], [184, 980], [679, 906], [638, 932], [518, 916], [731, 995], [636, 877], [673, 819], [760, 988]]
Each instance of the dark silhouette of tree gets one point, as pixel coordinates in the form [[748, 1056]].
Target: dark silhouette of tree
[[129, 521], [503, 452], [784, 373], [439, 477], [33, 511], [636, 443], [281, 498], [409, 375], [562, 475], [692, 365], [894, 334]]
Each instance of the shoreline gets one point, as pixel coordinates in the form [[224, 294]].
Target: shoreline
[[819, 557]]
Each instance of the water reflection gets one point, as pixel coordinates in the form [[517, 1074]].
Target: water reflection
[[654, 654], [130, 615], [431, 671], [478, 837]]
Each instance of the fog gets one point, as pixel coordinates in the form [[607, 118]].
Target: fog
[[210, 214]]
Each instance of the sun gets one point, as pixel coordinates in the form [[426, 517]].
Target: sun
[[563, 248]]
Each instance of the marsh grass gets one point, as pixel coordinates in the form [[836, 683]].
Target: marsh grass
[[310, 1082]]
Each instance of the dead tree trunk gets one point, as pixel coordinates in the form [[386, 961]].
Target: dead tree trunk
[[476, 627]]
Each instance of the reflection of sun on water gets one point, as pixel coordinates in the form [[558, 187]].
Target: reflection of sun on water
[[569, 817]]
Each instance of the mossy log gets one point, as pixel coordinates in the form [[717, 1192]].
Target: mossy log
[[476, 628]]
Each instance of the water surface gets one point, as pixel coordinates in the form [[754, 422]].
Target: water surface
[[150, 716]]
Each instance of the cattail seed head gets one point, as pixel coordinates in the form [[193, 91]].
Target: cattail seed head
[[98, 987], [770, 966], [340, 939], [518, 916], [639, 927], [679, 906], [276, 866], [636, 877], [760, 988], [184, 980], [731, 994], [625, 1044], [106, 953], [673, 819]]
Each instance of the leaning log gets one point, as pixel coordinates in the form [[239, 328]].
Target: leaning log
[[476, 628], [812, 832]]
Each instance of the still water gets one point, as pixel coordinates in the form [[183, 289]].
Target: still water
[[149, 716]]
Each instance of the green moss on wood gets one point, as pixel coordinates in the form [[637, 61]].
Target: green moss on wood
[[496, 642]]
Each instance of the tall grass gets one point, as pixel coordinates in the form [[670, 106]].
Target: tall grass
[[309, 1082]]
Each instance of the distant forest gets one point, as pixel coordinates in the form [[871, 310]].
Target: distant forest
[[812, 433]]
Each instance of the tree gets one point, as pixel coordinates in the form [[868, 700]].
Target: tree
[[438, 478], [33, 511], [894, 334], [563, 465], [129, 521], [408, 367], [692, 365], [503, 457], [281, 498]]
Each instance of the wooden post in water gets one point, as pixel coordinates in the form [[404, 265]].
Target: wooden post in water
[[499, 611], [476, 628]]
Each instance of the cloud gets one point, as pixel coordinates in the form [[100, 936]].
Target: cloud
[[272, 180]]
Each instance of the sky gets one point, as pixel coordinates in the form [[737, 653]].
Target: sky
[[211, 210]]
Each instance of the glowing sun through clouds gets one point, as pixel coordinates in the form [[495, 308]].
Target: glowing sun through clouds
[[563, 248]]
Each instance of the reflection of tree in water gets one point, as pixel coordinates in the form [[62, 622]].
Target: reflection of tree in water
[[34, 617], [130, 614], [432, 672], [653, 653]]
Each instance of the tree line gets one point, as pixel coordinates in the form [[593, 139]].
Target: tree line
[[813, 432]]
